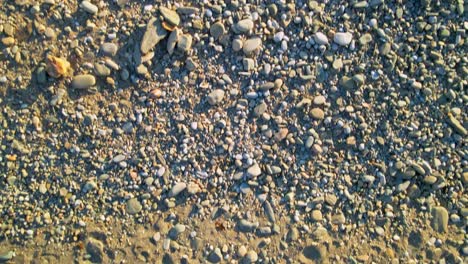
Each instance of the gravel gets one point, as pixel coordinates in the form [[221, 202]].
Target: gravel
[[237, 131]]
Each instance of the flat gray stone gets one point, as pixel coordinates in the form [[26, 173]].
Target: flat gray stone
[[269, 211], [177, 188], [320, 38], [176, 231], [440, 219], [153, 35], [185, 43], [109, 48], [89, 7], [217, 30], [244, 25], [254, 170], [247, 226], [83, 81], [237, 44], [251, 45], [101, 69], [172, 41], [133, 206], [170, 16], [260, 109], [216, 97], [343, 38], [187, 10]]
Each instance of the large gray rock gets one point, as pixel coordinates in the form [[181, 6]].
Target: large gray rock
[[153, 35]]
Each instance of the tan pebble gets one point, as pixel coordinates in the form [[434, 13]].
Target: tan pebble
[[36, 123], [281, 134], [317, 215], [156, 93], [351, 141], [319, 100], [11, 157], [317, 149], [8, 41], [83, 81], [278, 83], [317, 113], [110, 81], [242, 251]]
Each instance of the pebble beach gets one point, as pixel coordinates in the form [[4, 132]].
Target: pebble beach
[[233, 131]]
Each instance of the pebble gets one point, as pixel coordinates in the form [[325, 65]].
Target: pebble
[[269, 211], [281, 134], [247, 226], [343, 38], [177, 189], [237, 45], [251, 45], [109, 49], [176, 231], [141, 69], [215, 256], [8, 41], [187, 10], [170, 16], [134, 206], [440, 219], [316, 215], [260, 109], [242, 251], [456, 125], [250, 257], [317, 113], [185, 43], [193, 188], [172, 40], [89, 7], [101, 69], [153, 35], [217, 30], [254, 171], [216, 97], [319, 100], [244, 25], [84, 81], [380, 231], [278, 37], [365, 39], [320, 38]]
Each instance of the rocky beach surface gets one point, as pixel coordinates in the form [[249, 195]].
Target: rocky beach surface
[[235, 131]]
